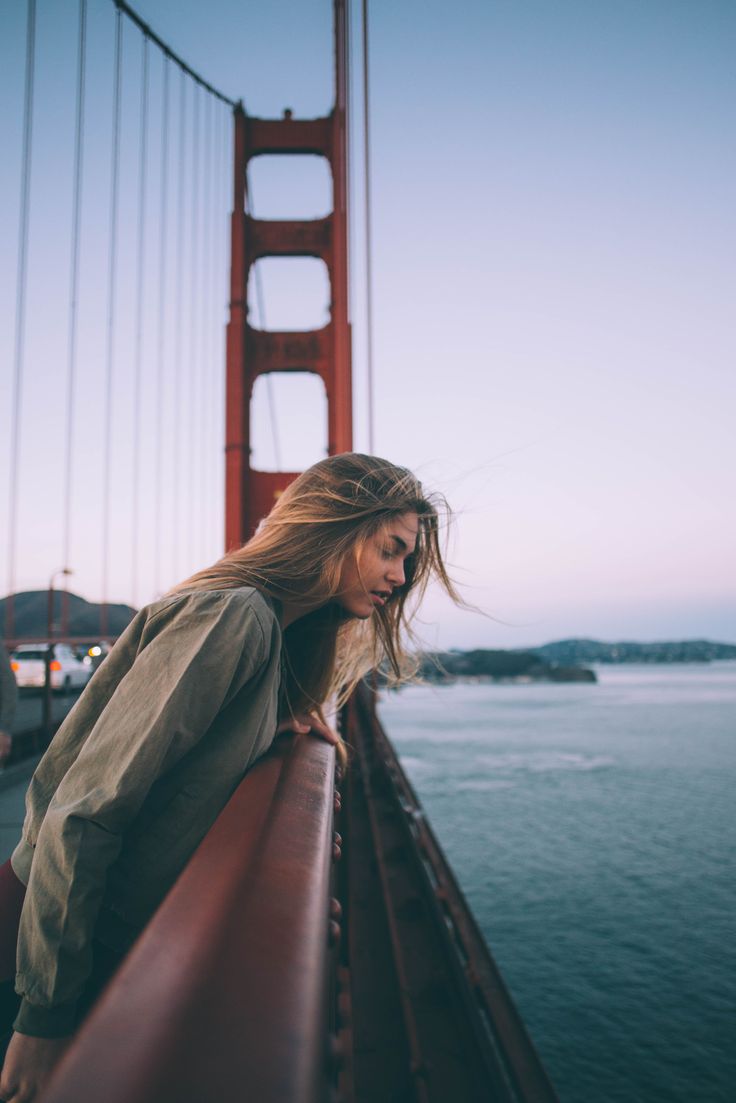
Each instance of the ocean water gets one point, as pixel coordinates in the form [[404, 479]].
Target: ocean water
[[593, 831]]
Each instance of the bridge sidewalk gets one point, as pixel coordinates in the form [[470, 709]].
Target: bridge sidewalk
[[13, 784]]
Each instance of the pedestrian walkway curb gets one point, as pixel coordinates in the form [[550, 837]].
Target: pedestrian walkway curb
[[19, 771]]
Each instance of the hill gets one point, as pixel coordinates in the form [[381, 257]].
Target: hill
[[31, 615], [500, 666], [626, 651]]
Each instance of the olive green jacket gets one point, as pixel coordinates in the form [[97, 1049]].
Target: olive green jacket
[[184, 704]]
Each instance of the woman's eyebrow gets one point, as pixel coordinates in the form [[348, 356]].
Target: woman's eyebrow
[[402, 543]]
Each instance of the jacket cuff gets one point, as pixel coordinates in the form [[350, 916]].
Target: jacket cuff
[[46, 1022]]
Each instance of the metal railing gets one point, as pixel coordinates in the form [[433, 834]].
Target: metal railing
[[225, 995]]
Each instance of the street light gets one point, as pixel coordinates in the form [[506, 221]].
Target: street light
[[50, 615], [50, 631]]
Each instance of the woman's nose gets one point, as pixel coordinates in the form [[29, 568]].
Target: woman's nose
[[395, 574]]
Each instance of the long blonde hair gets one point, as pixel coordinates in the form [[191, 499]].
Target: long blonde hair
[[326, 514]]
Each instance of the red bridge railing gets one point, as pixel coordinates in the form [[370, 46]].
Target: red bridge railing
[[225, 994]]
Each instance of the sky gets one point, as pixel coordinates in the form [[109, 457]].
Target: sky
[[554, 272]]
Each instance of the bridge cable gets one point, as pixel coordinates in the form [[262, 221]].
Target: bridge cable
[[222, 296], [161, 323], [192, 366], [181, 153], [368, 230], [110, 359], [150, 33], [20, 316], [249, 207], [140, 270], [73, 292], [207, 344]]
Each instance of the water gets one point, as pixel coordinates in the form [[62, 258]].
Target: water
[[592, 829]]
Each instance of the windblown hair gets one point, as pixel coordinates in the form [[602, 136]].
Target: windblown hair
[[328, 513]]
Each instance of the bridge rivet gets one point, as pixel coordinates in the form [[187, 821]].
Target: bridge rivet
[[334, 934], [335, 908]]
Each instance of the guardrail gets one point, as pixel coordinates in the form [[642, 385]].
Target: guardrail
[[225, 995]]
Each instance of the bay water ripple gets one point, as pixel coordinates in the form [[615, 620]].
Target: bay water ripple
[[592, 829]]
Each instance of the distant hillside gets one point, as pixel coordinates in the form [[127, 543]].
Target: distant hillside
[[31, 615], [504, 666], [594, 651]]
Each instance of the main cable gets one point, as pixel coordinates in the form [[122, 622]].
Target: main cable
[[150, 33]]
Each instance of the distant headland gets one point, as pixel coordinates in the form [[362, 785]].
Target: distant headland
[[564, 660]]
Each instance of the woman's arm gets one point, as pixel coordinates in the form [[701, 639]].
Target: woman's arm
[[29, 1063], [193, 660]]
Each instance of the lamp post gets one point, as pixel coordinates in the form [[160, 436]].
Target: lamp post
[[50, 633]]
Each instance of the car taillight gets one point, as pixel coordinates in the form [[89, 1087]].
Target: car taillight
[[55, 665], [14, 667]]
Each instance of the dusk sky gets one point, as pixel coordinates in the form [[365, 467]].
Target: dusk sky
[[554, 257]]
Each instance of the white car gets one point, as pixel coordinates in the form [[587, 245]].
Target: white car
[[67, 670]]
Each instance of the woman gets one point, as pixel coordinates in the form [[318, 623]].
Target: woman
[[189, 698]]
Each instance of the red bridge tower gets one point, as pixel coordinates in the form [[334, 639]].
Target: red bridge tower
[[252, 352]]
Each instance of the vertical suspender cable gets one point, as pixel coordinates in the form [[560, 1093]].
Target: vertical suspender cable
[[138, 366], [193, 267], [161, 324], [175, 528], [227, 154], [368, 230], [20, 316], [73, 292], [112, 272], [219, 276], [204, 334]]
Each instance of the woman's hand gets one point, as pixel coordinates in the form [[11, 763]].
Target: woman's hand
[[306, 722], [29, 1063]]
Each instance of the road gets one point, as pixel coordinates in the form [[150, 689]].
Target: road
[[14, 779], [13, 784], [29, 712]]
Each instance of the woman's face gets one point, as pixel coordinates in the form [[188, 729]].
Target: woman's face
[[368, 583]]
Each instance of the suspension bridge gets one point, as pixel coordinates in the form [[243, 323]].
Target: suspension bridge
[[330, 953]]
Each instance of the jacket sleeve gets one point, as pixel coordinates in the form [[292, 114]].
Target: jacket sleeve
[[194, 656]]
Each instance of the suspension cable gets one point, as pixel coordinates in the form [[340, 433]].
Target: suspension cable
[[368, 230], [20, 316], [112, 272], [140, 268], [204, 333], [221, 289], [161, 325], [181, 153], [150, 33], [192, 366], [73, 292], [224, 288]]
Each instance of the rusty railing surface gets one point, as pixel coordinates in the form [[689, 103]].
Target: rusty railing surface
[[225, 996]]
